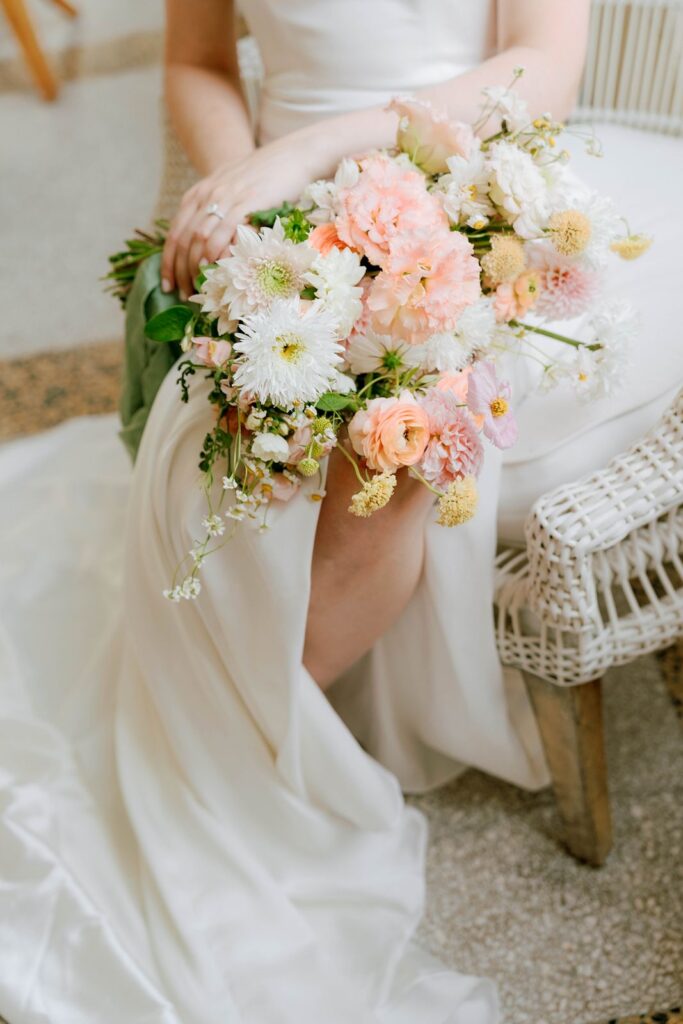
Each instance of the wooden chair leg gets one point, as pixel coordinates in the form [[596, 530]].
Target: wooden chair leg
[[18, 17], [67, 7], [570, 723]]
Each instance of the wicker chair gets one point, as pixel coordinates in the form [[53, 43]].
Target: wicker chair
[[601, 579]]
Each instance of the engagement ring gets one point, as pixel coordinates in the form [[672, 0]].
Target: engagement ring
[[215, 211]]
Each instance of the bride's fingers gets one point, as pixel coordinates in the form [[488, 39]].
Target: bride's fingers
[[176, 233], [217, 245]]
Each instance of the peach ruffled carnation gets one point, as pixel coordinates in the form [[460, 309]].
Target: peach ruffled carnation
[[430, 278], [390, 432], [324, 237], [388, 200]]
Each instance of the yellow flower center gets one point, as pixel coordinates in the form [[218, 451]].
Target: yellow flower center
[[499, 406], [290, 346], [471, 191]]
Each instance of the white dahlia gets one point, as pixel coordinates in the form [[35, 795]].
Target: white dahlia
[[518, 189], [289, 354], [264, 267], [335, 277]]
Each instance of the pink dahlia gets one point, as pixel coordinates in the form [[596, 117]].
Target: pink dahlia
[[387, 200], [454, 450], [489, 398], [567, 287], [429, 279]]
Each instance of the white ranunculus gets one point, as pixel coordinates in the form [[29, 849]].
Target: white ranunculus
[[270, 447]]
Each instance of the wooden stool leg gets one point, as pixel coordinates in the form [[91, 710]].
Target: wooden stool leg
[[570, 723], [18, 18], [67, 7]]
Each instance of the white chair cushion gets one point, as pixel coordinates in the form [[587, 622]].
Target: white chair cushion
[[561, 439]]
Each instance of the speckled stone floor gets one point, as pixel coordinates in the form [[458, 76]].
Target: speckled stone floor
[[566, 943]]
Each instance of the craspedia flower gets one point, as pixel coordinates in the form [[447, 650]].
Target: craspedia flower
[[631, 247], [374, 495], [459, 503], [308, 466], [570, 232], [505, 261]]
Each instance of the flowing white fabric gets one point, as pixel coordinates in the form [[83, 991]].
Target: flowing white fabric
[[189, 832]]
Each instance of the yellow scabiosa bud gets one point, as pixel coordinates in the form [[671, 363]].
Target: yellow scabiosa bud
[[320, 424], [505, 261], [631, 247], [374, 495], [308, 466], [570, 231], [459, 503]]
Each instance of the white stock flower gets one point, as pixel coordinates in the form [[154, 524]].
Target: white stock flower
[[269, 447], [289, 354], [335, 277], [511, 108], [518, 188], [264, 267], [320, 198], [464, 190]]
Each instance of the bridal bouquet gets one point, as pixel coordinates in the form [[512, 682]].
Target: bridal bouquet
[[370, 316]]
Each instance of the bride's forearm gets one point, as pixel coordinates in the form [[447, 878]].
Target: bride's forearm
[[209, 115]]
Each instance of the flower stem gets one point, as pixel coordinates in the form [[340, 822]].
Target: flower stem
[[347, 455], [556, 337]]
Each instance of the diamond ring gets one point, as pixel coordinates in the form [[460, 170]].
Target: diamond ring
[[215, 211]]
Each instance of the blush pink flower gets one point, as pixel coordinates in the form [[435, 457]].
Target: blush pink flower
[[488, 397], [430, 278], [284, 487], [386, 201], [429, 137], [390, 432], [568, 287], [211, 352], [454, 450], [514, 299], [457, 383]]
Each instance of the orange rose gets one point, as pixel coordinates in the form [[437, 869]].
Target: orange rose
[[391, 432]]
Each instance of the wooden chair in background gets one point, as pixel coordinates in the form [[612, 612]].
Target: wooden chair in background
[[22, 26]]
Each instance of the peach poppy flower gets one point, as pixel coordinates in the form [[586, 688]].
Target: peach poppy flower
[[390, 432], [324, 237]]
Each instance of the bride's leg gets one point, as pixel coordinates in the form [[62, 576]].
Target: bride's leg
[[364, 570]]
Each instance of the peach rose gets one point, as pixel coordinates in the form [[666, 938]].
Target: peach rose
[[391, 432], [325, 237], [429, 137]]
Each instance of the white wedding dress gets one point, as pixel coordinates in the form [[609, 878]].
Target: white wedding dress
[[189, 830]]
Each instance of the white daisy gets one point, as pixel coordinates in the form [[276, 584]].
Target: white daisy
[[604, 219], [371, 353], [289, 354], [264, 266], [335, 277], [465, 190], [518, 189]]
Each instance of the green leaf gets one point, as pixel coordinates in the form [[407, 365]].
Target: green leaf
[[266, 218], [331, 402], [170, 324]]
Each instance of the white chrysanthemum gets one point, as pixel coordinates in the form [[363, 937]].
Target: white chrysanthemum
[[319, 199], [464, 190], [518, 189], [335, 277], [369, 353], [288, 354], [264, 267], [451, 351], [511, 108], [214, 299]]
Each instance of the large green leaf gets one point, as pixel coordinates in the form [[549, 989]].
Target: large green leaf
[[169, 325], [331, 402]]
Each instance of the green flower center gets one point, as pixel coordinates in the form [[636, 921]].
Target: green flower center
[[290, 346], [391, 361], [276, 280]]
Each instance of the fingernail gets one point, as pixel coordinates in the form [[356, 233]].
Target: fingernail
[[165, 285], [183, 295], [203, 261]]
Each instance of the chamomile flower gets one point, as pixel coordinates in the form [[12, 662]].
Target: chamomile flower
[[288, 354]]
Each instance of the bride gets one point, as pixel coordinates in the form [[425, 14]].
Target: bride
[[202, 812]]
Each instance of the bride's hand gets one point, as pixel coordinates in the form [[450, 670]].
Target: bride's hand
[[267, 177]]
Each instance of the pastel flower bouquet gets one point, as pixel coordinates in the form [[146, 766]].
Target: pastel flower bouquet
[[371, 316]]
